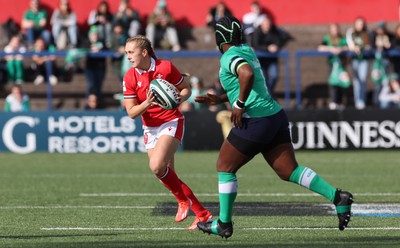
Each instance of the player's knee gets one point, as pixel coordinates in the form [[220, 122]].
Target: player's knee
[[157, 168]]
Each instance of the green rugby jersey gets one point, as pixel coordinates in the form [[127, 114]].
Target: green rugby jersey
[[259, 103]]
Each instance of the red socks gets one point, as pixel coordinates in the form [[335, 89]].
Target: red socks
[[181, 191], [172, 182]]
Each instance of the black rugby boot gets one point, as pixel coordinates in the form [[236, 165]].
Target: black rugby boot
[[343, 201], [225, 230]]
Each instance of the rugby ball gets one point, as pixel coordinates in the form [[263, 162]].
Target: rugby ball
[[165, 94]]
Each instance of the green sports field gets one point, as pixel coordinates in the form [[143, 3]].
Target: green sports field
[[113, 200]]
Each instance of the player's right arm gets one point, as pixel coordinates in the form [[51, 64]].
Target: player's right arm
[[134, 109]]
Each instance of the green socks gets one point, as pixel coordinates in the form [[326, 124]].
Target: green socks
[[227, 188], [309, 179]]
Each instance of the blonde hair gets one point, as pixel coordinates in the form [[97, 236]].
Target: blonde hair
[[143, 43]]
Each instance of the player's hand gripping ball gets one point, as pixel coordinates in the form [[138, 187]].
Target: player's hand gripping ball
[[165, 94]]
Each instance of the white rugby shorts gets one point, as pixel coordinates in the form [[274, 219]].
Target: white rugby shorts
[[174, 128]]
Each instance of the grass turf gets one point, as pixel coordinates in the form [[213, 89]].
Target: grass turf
[[41, 192]]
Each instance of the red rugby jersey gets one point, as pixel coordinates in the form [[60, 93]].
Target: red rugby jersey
[[137, 81]]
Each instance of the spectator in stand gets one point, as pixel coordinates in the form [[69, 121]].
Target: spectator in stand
[[270, 38], [381, 42], [197, 88], [102, 18], [17, 101], [14, 63], [252, 20], [216, 13], [389, 96], [92, 102], [395, 43], [64, 26], [161, 30], [335, 43], [95, 66], [128, 18], [358, 39], [38, 65], [118, 38], [34, 23]]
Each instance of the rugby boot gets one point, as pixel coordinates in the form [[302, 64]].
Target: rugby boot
[[343, 201], [183, 210], [206, 218], [225, 230]]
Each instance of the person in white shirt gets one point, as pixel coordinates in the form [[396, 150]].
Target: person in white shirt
[[17, 101]]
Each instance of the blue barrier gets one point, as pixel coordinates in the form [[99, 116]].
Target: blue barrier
[[314, 53], [162, 54]]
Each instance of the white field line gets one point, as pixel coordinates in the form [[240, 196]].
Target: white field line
[[216, 194], [357, 209], [245, 228]]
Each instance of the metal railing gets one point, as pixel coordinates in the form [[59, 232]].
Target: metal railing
[[162, 54]]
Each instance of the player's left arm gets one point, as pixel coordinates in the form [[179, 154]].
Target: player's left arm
[[184, 91], [184, 88], [245, 75]]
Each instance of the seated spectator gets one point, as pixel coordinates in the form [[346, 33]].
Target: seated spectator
[[95, 69], [252, 20], [269, 38], [17, 101], [64, 26], [14, 63], [92, 102], [335, 43], [197, 89], [161, 29], [38, 65], [389, 96], [217, 12], [128, 18], [34, 23], [102, 18], [8, 30]]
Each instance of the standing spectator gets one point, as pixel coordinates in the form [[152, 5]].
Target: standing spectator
[[102, 18], [389, 96], [64, 26], [95, 66], [128, 18], [38, 65], [269, 38], [395, 43], [17, 101], [34, 23], [381, 43], [252, 20], [118, 38], [216, 13], [161, 30], [14, 63], [335, 43], [359, 41]]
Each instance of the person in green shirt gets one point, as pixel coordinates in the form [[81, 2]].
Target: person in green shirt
[[335, 43], [34, 23], [260, 125]]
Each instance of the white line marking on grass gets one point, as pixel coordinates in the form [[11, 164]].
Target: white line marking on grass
[[82, 207], [245, 228], [215, 194]]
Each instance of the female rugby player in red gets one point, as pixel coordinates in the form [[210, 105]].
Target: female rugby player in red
[[163, 129]]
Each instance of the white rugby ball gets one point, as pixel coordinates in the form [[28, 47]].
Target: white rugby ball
[[166, 94]]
